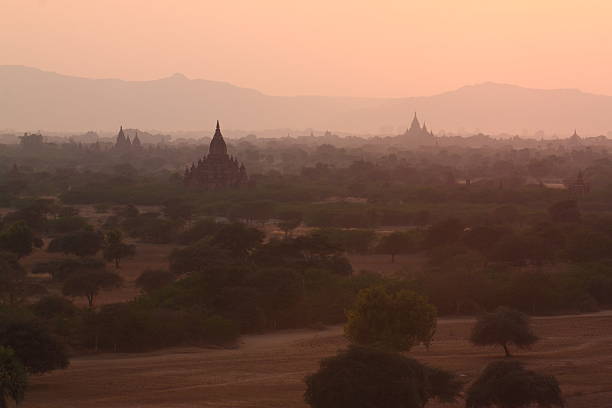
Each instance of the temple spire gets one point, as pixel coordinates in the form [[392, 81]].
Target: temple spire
[[218, 128]]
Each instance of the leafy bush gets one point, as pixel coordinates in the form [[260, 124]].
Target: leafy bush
[[503, 327], [508, 384], [394, 320], [366, 378]]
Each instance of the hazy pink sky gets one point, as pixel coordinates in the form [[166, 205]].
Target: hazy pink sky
[[325, 47]]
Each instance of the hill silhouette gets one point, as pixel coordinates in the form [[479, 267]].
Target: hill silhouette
[[31, 99]]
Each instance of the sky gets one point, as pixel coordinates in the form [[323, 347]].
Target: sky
[[375, 48]]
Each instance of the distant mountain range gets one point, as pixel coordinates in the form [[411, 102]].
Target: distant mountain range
[[31, 99]]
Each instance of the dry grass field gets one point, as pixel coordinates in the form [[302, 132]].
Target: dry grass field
[[267, 371]]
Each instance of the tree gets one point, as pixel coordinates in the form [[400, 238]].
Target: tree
[[483, 238], [14, 286], [19, 239], [153, 279], [198, 257], [565, 211], [443, 233], [13, 377], [503, 327], [89, 284], [394, 320], [315, 246], [368, 378], [508, 384], [81, 243], [64, 225], [288, 221], [178, 210], [279, 290], [353, 240], [238, 238], [62, 269], [115, 249], [34, 346], [53, 306], [199, 230], [521, 250], [395, 243]]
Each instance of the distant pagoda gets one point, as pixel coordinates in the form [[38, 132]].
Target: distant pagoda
[[217, 170], [123, 142], [578, 187], [416, 132]]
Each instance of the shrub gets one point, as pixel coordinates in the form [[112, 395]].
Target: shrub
[[508, 384], [367, 378], [13, 377], [34, 346], [395, 320], [503, 327], [153, 279]]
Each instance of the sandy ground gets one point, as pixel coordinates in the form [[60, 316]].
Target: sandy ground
[[267, 371]]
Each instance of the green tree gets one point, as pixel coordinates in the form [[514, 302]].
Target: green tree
[[368, 378], [89, 284], [201, 229], [19, 239], [13, 377], [53, 306], [565, 211], [115, 249], [288, 221], [503, 327], [34, 346], [443, 233], [395, 243], [178, 210], [81, 243], [153, 279], [14, 284], [508, 384], [394, 320], [198, 257], [238, 239]]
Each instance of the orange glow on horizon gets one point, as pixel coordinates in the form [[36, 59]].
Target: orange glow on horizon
[[324, 47]]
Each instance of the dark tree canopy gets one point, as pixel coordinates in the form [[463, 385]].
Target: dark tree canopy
[[368, 378], [62, 269], [396, 243], [178, 210], [81, 243], [13, 377], [53, 306], [89, 284], [288, 221], [198, 257], [115, 249], [507, 384], [565, 211], [19, 239], [393, 320], [34, 346], [14, 284], [237, 238], [503, 327], [153, 279]]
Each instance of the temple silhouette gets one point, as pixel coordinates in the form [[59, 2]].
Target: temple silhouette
[[123, 142], [217, 170], [417, 133]]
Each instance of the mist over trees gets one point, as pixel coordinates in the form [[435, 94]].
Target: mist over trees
[[380, 236]]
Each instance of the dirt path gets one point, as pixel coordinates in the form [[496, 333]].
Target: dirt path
[[267, 371]]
